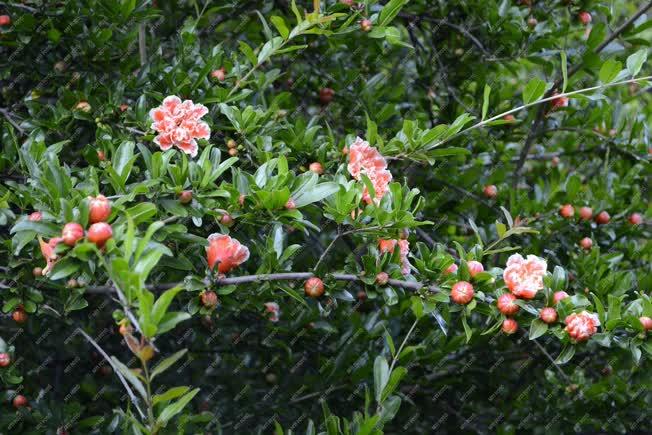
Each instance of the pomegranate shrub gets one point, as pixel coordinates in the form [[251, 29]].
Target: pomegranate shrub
[[355, 217]]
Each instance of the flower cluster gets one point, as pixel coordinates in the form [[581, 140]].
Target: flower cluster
[[365, 159], [178, 124], [524, 276], [226, 252], [388, 245]]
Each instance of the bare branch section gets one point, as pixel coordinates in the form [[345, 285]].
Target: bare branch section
[[290, 276]]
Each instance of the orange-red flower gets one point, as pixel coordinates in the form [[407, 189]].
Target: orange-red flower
[[47, 249], [226, 252], [365, 159], [388, 245], [524, 277], [581, 326], [178, 124]]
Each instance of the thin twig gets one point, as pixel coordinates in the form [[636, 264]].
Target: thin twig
[[116, 370], [8, 115], [327, 250], [552, 360], [142, 46]]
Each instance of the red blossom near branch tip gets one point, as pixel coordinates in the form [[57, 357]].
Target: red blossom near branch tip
[[226, 252], [388, 245]]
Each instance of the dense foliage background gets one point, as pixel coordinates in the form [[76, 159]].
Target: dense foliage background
[[286, 86]]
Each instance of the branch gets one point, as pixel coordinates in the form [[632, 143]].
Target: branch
[[289, 276]]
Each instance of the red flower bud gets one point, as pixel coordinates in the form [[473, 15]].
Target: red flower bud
[[99, 209], [451, 269], [586, 243], [586, 213], [462, 292], [19, 315], [209, 299], [290, 204], [585, 17], [646, 321], [548, 315], [99, 233], [72, 233], [5, 359], [490, 191], [20, 401], [35, 217], [558, 296], [5, 20], [326, 95], [635, 219], [506, 304], [602, 218], [382, 278], [314, 287], [185, 197], [510, 326], [226, 220], [566, 211], [219, 74], [366, 25], [475, 267], [317, 168]]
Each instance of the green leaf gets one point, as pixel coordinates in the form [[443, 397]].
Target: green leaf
[[609, 70], [397, 374], [537, 328], [248, 52], [130, 376], [170, 320], [317, 193], [566, 354], [170, 394], [635, 61], [534, 90], [174, 408], [381, 376], [390, 11], [162, 303], [167, 363], [63, 268], [280, 25], [485, 101], [467, 329]]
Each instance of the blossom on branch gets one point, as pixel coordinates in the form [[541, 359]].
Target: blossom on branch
[[365, 159], [524, 276], [226, 252], [581, 326], [178, 124], [388, 245]]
